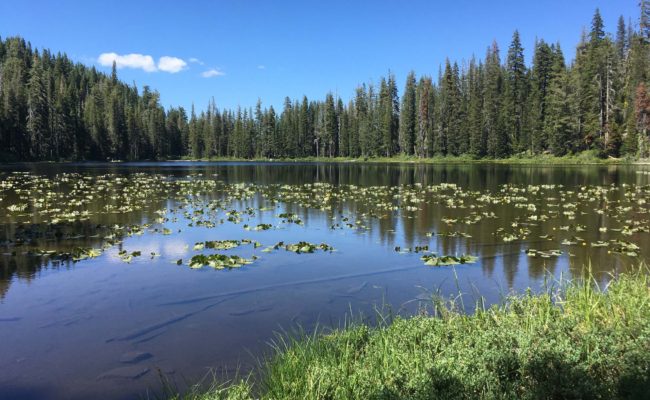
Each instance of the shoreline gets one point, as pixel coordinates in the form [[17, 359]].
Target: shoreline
[[572, 340], [539, 160], [558, 161]]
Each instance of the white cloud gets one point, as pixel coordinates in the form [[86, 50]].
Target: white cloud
[[261, 66], [143, 62], [133, 60], [212, 72], [171, 64], [196, 61]]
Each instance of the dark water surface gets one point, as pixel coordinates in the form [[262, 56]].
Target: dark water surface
[[101, 327]]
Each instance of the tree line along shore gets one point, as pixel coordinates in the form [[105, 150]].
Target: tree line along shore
[[495, 107]]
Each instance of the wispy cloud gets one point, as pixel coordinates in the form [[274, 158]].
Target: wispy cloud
[[261, 66], [195, 60], [133, 60], [171, 64], [212, 73], [143, 62]]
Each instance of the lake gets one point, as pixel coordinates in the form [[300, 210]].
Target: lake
[[115, 274]]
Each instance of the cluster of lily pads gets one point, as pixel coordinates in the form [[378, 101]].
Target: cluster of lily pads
[[219, 261], [543, 254], [41, 209], [435, 260], [75, 255], [225, 261], [225, 244], [301, 247], [439, 261]]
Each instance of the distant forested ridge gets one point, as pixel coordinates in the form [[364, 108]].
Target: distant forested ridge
[[54, 109]]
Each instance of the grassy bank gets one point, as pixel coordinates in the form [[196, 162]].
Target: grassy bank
[[574, 342], [584, 158]]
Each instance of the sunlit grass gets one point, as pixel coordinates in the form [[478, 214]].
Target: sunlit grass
[[576, 339]]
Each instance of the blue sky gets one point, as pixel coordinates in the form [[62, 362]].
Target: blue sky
[[273, 49]]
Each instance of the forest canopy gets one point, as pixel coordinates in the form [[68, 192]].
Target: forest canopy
[[495, 107]]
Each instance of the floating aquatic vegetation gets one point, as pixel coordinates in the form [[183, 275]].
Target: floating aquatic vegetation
[[449, 234], [517, 234], [219, 261], [234, 216], [439, 261], [17, 207], [543, 253], [303, 247], [75, 255], [128, 257], [259, 227], [290, 217], [224, 244], [255, 243], [573, 241], [47, 205], [416, 249], [623, 247], [599, 243], [88, 252]]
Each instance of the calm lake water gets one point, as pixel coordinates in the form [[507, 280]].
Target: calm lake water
[[100, 293]]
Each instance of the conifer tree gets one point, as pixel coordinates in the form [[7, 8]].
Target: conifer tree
[[38, 112], [515, 95], [425, 118], [407, 119], [642, 118], [329, 136], [497, 139], [344, 130], [540, 82], [477, 134], [557, 124]]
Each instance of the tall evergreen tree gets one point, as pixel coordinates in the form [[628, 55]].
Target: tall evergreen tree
[[497, 139], [541, 75], [644, 21], [477, 134], [387, 114], [407, 119], [425, 118], [557, 124], [329, 131], [38, 112], [621, 38], [194, 136], [515, 95], [642, 118]]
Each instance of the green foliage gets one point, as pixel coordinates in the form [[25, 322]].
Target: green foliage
[[573, 341], [497, 140], [450, 138], [53, 109], [515, 96], [407, 118]]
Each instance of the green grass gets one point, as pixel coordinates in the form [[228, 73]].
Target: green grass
[[583, 158], [573, 341]]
